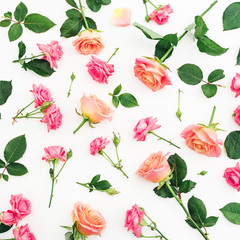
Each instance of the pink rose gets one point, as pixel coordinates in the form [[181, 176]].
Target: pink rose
[[54, 152], [235, 86], [161, 16], [232, 176], [98, 144], [144, 126], [41, 94], [155, 168], [52, 117], [89, 221], [151, 73], [8, 218], [133, 219], [202, 140], [23, 233], [100, 70], [52, 52], [237, 115], [121, 17]]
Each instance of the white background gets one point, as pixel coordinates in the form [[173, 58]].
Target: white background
[[211, 188]]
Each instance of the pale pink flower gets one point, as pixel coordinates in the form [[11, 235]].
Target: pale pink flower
[[161, 16], [8, 217], [235, 86], [98, 144], [54, 152], [23, 233], [232, 176], [121, 17]]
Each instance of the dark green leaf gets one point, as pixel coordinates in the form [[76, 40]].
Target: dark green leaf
[[38, 23], [91, 187], [68, 236], [238, 58], [105, 2], [232, 145], [8, 15], [202, 173], [22, 49], [102, 185], [41, 67], [147, 32], [231, 16], [91, 23], [20, 12], [5, 23], [51, 173], [179, 168], [72, 3], [190, 74], [210, 221], [172, 38], [128, 100], [208, 46], [232, 212], [69, 154], [71, 27], [2, 164], [74, 13], [162, 47], [117, 90], [216, 75], [5, 177], [93, 5], [186, 186], [4, 228], [201, 28], [164, 191], [67, 227], [192, 225], [115, 101], [16, 169], [95, 179], [209, 90], [5, 91], [15, 32]]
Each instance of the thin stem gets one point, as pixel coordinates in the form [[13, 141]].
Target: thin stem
[[151, 236], [12, 20], [61, 169], [161, 138], [23, 109], [179, 92], [29, 58], [147, 15], [119, 162], [186, 211], [3, 171], [83, 15], [29, 117], [218, 85], [152, 4], [85, 185], [82, 123], [212, 116], [113, 55], [53, 182]]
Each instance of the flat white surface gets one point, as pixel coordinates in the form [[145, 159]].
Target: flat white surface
[[196, 108]]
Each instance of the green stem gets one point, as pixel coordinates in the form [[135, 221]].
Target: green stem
[[70, 88], [152, 4], [113, 55], [3, 171], [29, 58], [29, 117], [86, 186], [147, 16], [61, 169], [82, 123], [212, 116], [23, 110], [53, 182], [142, 236], [83, 237], [186, 211], [161, 138], [83, 15]]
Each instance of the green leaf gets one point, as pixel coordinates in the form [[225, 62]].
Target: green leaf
[[69, 154], [186, 186], [162, 47], [102, 185], [41, 67], [179, 168], [5, 91], [208, 46], [71, 27], [238, 58], [232, 212], [216, 75], [197, 210], [20, 12], [105, 2], [147, 32], [209, 90], [115, 101], [164, 191], [117, 90], [94, 5], [67, 227], [5, 23], [8, 15], [91, 23], [232, 145], [172, 38], [190, 74], [2, 164], [5, 177], [210, 221], [15, 149], [95, 179], [15, 32], [22, 49], [201, 28], [16, 169], [38, 23], [128, 100], [74, 13], [231, 16], [202, 173], [72, 3], [4, 228], [69, 236]]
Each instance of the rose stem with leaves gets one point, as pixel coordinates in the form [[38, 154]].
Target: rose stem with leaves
[[83, 15], [212, 116], [70, 87], [186, 31], [29, 58], [113, 55], [179, 113]]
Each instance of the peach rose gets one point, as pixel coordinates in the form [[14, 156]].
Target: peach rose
[[88, 220], [202, 140], [155, 168], [121, 17], [89, 42], [151, 73]]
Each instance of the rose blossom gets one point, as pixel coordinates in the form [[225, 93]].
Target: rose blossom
[[237, 115], [89, 42], [52, 117], [121, 17], [151, 73], [144, 126], [89, 221], [232, 176], [95, 109], [161, 16], [133, 219], [100, 70], [41, 94], [235, 86], [53, 52], [23, 233], [54, 152], [155, 168], [98, 144], [202, 140], [8, 218]]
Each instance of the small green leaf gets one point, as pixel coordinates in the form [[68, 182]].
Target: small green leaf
[[190, 74], [216, 75], [209, 90], [67, 227], [2, 164], [91, 23], [95, 179], [20, 12], [72, 3], [69, 236], [186, 186], [105, 2], [16, 169], [232, 145], [71, 27], [232, 212], [164, 191], [117, 90], [210, 221], [201, 28], [74, 13], [231, 16], [128, 100], [5, 23], [72, 77], [94, 5], [22, 49], [172, 38], [5, 177], [238, 58], [4, 228], [69, 154], [8, 15], [102, 185], [5, 91], [15, 32], [115, 101], [162, 47], [202, 173]]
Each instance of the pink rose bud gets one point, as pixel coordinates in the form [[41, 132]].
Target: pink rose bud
[[237, 115], [151, 73], [8, 218], [54, 152], [121, 17], [161, 16], [52, 52], [144, 126], [235, 86], [155, 168], [23, 233], [232, 176], [97, 145], [133, 219]]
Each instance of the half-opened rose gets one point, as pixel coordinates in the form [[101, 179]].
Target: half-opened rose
[[232, 176]]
